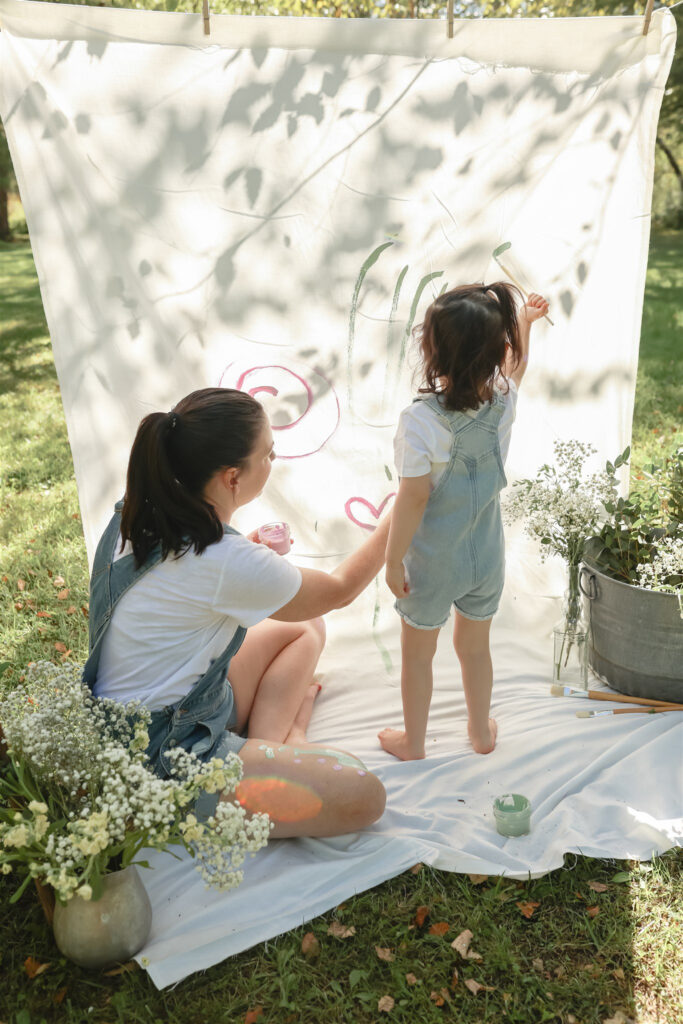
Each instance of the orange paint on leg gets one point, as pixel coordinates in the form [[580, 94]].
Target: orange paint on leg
[[280, 799]]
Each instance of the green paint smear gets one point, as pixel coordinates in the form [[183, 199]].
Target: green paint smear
[[344, 759], [386, 657], [369, 262]]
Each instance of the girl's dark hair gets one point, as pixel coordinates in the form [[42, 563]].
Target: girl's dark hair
[[174, 455], [464, 339]]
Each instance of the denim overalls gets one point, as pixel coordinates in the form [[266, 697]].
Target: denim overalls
[[457, 555], [201, 720]]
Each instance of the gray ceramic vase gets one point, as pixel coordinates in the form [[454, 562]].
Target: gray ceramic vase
[[99, 933]]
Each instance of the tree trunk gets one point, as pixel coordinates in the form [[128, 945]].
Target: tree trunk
[[672, 160], [5, 233]]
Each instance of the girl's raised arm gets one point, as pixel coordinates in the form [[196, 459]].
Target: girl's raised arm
[[534, 308]]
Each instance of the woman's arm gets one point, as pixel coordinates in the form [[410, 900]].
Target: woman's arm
[[412, 497], [322, 592]]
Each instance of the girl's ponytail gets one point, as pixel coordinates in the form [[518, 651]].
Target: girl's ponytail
[[173, 457]]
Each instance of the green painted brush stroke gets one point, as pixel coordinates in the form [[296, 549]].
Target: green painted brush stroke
[[413, 310], [369, 262]]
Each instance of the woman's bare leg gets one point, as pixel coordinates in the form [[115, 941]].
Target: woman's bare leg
[[471, 642], [417, 648], [309, 790], [271, 675]]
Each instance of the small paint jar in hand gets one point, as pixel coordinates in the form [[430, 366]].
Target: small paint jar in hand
[[275, 536]]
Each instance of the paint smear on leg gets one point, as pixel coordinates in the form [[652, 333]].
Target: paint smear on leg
[[281, 799]]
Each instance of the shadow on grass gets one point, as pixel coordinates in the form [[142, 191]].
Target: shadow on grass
[[570, 961]]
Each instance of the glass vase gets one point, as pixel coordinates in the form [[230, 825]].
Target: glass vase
[[570, 638], [110, 930]]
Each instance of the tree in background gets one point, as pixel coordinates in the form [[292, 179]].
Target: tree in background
[[8, 183], [668, 198]]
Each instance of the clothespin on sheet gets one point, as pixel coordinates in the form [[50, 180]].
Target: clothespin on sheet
[[648, 15], [207, 17], [450, 19]]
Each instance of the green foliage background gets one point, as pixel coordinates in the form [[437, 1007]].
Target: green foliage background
[[667, 205]]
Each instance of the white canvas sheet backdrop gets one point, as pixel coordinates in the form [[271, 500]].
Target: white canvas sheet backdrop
[[271, 208]]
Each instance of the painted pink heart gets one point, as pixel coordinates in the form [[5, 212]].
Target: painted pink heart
[[375, 512]]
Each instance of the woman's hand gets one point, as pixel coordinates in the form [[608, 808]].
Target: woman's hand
[[395, 576], [534, 308]]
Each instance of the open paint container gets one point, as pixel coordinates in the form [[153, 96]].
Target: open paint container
[[512, 812], [276, 536]]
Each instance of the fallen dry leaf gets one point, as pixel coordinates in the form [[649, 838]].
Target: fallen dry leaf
[[440, 997], [462, 946], [537, 964], [127, 968], [58, 581], [527, 908], [71, 609], [598, 886], [44, 615], [420, 916], [59, 646], [384, 954], [411, 979], [475, 987], [21, 584], [340, 931], [592, 911], [416, 868], [253, 1015], [619, 974], [18, 606], [58, 997], [310, 946], [62, 595], [33, 967], [439, 928], [477, 879], [385, 1004], [454, 978]]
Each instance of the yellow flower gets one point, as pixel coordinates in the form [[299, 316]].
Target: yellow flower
[[17, 836], [85, 892], [6, 869], [37, 807], [40, 825]]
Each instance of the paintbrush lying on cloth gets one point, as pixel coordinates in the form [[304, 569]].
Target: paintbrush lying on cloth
[[558, 690], [628, 711]]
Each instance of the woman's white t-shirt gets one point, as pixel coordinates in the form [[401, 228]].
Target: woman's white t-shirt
[[183, 613], [423, 442]]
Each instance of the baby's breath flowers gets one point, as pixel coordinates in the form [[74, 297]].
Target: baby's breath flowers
[[78, 797], [665, 571], [563, 506]]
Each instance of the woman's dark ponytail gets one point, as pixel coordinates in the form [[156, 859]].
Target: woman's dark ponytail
[[174, 455]]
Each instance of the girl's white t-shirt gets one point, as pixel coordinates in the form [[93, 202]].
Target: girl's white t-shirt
[[183, 613], [423, 442]]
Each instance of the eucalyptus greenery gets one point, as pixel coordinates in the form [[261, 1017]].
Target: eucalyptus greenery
[[641, 540]]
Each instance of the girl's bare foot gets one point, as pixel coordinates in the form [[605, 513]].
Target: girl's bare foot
[[297, 734], [395, 742], [484, 744]]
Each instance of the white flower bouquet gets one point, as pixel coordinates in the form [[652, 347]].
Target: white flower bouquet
[[78, 797]]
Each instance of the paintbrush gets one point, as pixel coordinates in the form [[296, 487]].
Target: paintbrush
[[627, 711], [498, 252], [619, 698]]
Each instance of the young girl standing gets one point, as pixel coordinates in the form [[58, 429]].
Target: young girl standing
[[446, 544]]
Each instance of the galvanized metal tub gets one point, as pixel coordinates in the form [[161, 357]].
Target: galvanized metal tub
[[636, 635]]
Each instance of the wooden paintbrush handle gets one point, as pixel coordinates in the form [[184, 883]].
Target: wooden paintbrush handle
[[623, 698], [647, 711]]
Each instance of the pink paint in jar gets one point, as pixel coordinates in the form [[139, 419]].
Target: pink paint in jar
[[275, 536]]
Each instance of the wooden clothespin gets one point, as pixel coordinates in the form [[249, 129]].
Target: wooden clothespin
[[450, 19], [648, 15], [207, 17]]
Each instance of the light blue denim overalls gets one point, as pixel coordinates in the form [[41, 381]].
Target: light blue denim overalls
[[201, 720], [457, 556]]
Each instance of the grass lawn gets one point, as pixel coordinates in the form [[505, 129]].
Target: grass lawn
[[602, 942]]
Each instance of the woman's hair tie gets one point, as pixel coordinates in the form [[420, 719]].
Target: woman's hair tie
[[174, 418]]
